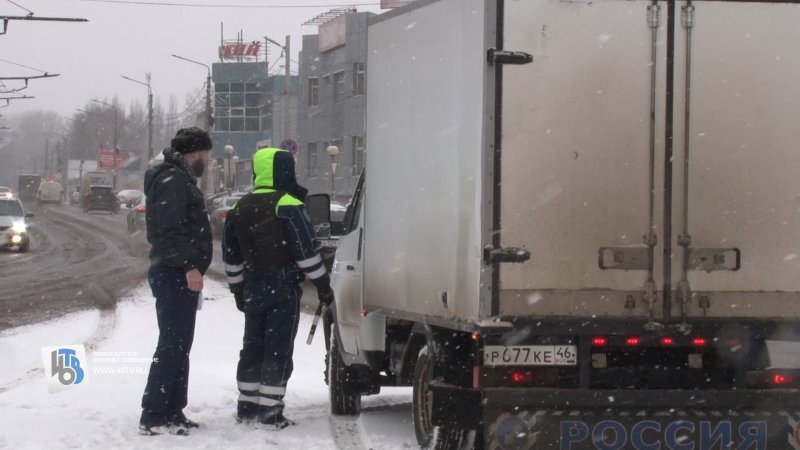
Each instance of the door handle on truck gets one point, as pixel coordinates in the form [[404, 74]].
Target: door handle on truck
[[349, 267]]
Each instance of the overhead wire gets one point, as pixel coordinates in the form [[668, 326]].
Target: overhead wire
[[216, 5]]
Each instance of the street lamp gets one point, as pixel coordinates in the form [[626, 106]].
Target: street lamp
[[209, 117], [333, 151], [229, 152], [143, 164], [116, 142]]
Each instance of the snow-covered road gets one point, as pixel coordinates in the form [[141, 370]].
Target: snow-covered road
[[103, 411]]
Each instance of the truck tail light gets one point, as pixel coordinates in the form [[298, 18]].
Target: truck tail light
[[667, 341], [521, 377], [699, 342], [140, 209], [780, 379], [599, 341], [632, 341]]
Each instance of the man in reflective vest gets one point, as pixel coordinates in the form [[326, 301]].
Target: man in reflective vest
[[268, 248]]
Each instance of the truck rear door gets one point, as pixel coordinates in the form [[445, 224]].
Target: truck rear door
[[580, 158], [648, 159]]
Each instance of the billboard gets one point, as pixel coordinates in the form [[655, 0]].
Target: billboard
[[112, 159]]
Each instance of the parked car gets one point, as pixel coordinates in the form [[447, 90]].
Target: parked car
[[218, 214], [129, 198], [100, 198], [136, 219], [13, 228]]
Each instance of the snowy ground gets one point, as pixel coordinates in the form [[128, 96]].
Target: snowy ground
[[103, 411]]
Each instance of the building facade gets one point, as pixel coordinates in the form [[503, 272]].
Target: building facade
[[332, 106], [249, 110]]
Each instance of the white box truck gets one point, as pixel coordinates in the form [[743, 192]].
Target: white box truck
[[579, 225]]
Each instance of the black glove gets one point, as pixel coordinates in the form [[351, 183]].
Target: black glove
[[325, 295], [238, 296]]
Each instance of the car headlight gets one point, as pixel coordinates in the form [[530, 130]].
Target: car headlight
[[19, 227]]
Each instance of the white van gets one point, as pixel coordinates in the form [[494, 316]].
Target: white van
[[49, 192]]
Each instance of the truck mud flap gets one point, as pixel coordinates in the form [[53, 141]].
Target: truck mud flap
[[643, 430]]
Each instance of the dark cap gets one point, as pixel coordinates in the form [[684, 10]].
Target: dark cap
[[189, 140]]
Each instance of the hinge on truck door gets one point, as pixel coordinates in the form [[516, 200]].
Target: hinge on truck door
[[495, 56], [504, 255], [711, 259], [624, 258]]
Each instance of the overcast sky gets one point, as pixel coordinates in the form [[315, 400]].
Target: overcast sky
[[132, 37]]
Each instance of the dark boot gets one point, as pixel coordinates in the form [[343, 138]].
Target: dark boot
[[181, 420], [274, 417]]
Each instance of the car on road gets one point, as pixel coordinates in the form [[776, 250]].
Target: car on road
[[218, 214], [100, 198], [13, 228], [49, 192], [136, 216], [128, 198]]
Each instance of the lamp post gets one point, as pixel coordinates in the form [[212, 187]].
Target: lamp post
[[116, 141], [229, 152], [143, 163], [333, 151], [209, 117]]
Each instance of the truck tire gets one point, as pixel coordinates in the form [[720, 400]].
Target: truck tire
[[429, 436], [343, 402]]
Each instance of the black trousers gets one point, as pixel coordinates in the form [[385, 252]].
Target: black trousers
[[176, 308], [271, 313]]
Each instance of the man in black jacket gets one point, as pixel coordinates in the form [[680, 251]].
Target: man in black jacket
[[179, 233]]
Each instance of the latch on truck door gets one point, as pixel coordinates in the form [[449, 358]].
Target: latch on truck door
[[505, 255]]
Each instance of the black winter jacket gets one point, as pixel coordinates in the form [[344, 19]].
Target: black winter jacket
[[178, 229]]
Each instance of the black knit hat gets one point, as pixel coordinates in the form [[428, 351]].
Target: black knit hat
[[189, 140]]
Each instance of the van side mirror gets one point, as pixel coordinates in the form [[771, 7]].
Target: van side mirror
[[319, 210]]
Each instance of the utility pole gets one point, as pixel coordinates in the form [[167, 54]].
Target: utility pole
[[143, 162], [286, 88]]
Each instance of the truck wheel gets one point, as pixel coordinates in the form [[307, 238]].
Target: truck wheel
[[343, 402], [429, 436]]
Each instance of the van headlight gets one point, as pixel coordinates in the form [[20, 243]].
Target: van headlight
[[19, 227]]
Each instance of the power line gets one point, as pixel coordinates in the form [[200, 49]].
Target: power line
[[214, 5], [22, 65], [20, 6]]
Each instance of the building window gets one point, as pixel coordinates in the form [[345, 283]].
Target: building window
[[358, 155], [338, 87], [239, 107], [359, 78], [313, 156], [313, 91]]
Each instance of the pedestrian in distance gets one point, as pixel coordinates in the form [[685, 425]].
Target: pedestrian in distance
[[179, 234], [268, 248]]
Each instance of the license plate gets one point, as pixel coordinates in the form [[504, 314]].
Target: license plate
[[530, 355], [328, 243]]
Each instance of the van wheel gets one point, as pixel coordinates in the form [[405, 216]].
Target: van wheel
[[343, 401], [439, 437]]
